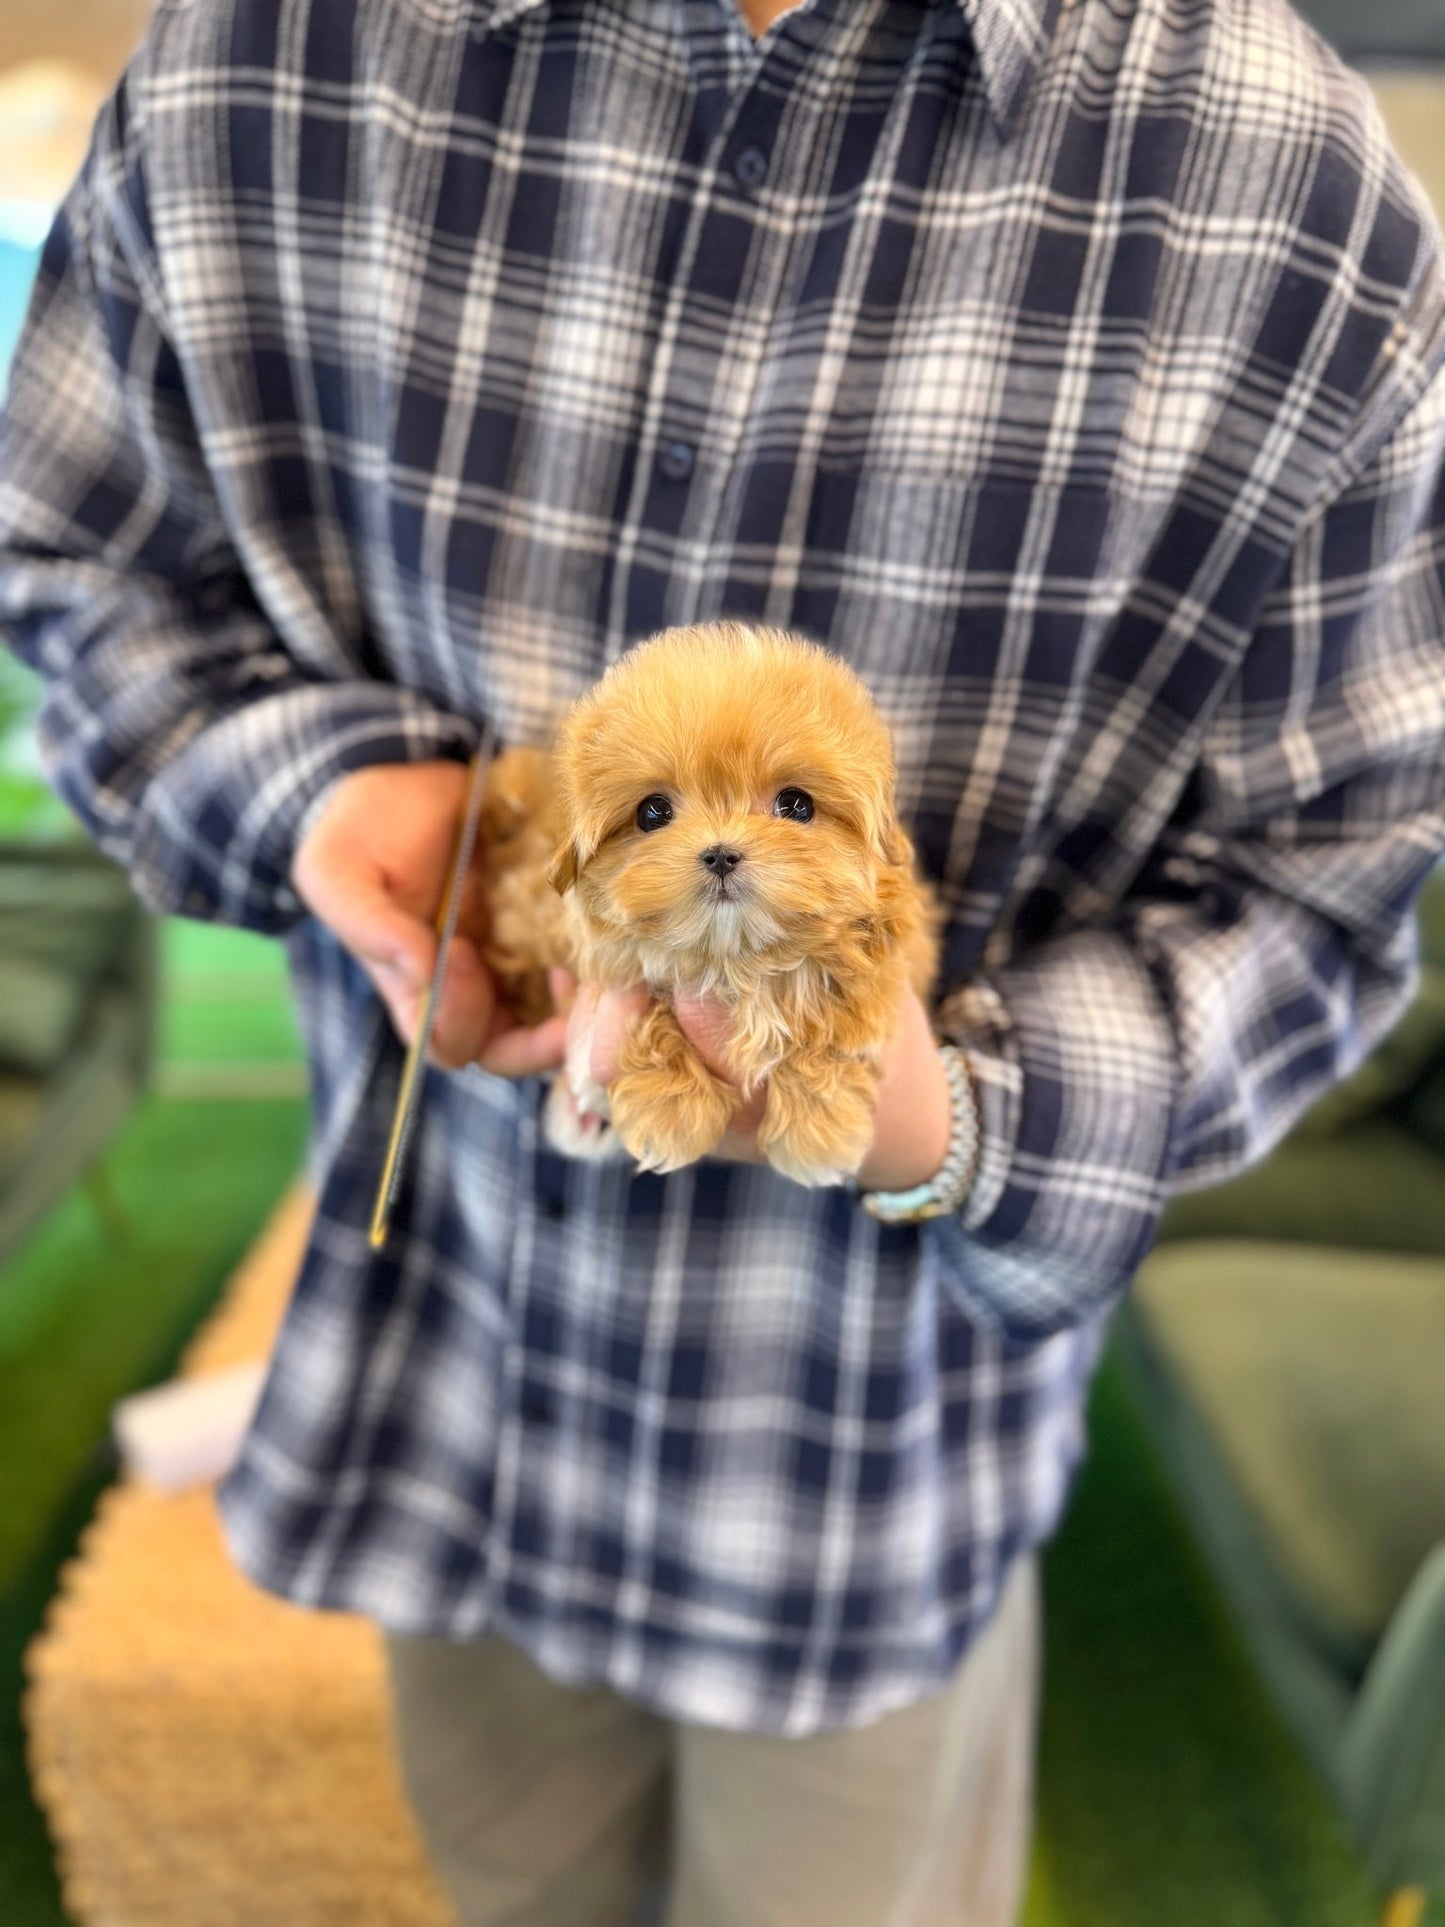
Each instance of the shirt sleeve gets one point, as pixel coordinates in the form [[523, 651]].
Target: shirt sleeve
[[1265, 946], [176, 722]]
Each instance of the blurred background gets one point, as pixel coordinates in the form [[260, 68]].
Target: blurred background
[[1244, 1720]]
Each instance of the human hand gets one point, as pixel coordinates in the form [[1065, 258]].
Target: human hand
[[373, 868], [912, 1119]]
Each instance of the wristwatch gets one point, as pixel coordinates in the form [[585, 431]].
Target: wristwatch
[[948, 1187]]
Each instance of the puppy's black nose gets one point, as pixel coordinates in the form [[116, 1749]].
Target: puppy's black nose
[[720, 860]]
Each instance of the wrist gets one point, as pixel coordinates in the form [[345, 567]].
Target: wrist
[[913, 1120], [945, 1190]]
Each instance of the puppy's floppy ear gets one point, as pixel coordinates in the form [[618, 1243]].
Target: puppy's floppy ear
[[893, 843], [887, 837], [896, 844], [566, 865]]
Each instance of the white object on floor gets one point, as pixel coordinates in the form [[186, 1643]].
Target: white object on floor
[[189, 1430], [26, 223]]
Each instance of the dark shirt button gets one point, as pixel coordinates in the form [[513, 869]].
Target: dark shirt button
[[676, 461], [554, 1208], [750, 167], [538, 1405]]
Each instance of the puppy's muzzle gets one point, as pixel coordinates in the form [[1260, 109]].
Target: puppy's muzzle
[[721, 860]]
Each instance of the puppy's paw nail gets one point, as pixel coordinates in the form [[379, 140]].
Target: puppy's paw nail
[[652, 1159], [813, 1176]]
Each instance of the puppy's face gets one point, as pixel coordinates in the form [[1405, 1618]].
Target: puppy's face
[[728, 795]]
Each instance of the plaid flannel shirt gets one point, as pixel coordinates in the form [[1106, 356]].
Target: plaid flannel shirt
[[1074, 371]]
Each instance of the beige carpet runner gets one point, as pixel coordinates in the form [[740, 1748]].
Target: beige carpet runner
[[207, 1755]]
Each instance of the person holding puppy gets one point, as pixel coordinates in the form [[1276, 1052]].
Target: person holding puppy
[[1074, 372]]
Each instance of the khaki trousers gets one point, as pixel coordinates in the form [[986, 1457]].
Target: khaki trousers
[[552, 1806]]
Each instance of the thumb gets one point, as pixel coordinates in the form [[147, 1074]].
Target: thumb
[[708, 1027]]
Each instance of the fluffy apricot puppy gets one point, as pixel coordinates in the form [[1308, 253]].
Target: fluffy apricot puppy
[[722, 804]]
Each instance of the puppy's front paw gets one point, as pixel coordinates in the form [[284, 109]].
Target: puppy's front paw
[[577, 1118], [575, 1131], [663, 1128], [818, 1124], [667, 1107]]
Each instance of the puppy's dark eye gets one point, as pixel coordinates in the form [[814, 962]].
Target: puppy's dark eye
[[794, 803], [653, 812]]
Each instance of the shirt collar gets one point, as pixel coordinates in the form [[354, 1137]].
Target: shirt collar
[[1011, 36]]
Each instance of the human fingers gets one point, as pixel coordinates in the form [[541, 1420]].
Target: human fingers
[[395, 946], [562, 987], [913, 1110], [526, 1051], [708, 1027], [467, 1010], [372, 867], [608, 1015]]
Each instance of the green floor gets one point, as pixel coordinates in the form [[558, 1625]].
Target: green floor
[[1168, 1796], [101, 1301]]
